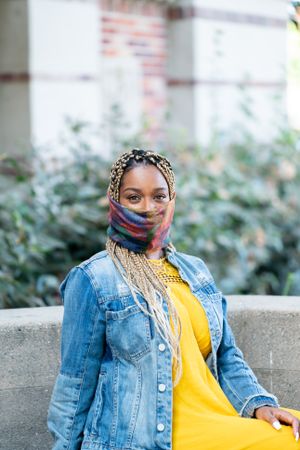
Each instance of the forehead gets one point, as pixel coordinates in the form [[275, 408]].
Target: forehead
[[144, 177]]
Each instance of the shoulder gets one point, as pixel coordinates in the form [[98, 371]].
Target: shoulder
[[197, 271], [98, 259], [98, 267], [98, 270], [194, 261]]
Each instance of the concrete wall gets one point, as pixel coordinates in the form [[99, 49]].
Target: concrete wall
[[225, 58], [49, 69], [266, 329], [14, 67]]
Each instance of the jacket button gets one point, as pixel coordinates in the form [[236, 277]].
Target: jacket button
[[161, 347], [160, 427], [161, 387]]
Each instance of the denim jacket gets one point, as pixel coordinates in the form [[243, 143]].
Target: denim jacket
[[106, 395]]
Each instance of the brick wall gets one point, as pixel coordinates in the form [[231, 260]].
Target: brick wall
[[136, 29]]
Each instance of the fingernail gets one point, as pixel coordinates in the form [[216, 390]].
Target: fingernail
[[276, 425], [297, 436]]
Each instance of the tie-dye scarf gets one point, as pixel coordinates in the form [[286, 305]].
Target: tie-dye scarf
[[140, 231]]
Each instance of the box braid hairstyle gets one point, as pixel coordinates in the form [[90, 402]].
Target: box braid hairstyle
[[135, 267]]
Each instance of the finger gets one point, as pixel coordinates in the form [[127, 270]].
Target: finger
[[274, 421], [283, 416], [295, 426], [288, 418]]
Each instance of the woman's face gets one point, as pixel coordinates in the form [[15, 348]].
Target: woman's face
[[143, 187]]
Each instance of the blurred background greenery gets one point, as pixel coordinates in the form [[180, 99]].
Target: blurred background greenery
[[238, 208], [236, 67]]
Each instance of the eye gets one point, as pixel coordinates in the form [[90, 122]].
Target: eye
[[133, 198], [161, 196]]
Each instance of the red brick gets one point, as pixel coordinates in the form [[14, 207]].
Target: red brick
[[139, 29], [109, 29]]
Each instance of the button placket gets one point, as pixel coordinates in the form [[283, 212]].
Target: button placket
[[160, 427], [164, 402]]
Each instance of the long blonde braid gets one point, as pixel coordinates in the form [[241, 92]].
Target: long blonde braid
[[135, 267]]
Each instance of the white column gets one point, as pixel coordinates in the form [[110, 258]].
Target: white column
[[14, 69], [225, 57], [58, 72]]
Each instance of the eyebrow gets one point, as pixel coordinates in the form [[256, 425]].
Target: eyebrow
[[139, 190]]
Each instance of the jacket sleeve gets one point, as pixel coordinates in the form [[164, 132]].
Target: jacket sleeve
[[81, 351], [236, 378]]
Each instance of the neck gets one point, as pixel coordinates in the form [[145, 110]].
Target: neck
[[156, 254]]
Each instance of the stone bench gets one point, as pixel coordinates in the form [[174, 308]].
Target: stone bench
[[267, 329]]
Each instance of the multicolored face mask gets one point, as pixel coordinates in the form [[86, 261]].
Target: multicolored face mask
[[140, 231]]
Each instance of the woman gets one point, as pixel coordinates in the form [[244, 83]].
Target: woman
[[148, 359]]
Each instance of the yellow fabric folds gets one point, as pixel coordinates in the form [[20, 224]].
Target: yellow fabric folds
[[203, 417]]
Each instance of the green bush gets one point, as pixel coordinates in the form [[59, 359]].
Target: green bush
[[49, 222], [243, 213], [237, 207]]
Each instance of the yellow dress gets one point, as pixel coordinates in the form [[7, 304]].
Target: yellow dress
[[203, 417]]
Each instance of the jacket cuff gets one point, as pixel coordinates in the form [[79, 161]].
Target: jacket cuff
[[256, 401]]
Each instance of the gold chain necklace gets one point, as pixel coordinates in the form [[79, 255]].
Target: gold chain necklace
[[165, 271], [158, 264]]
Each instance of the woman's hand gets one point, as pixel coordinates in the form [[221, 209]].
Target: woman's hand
[[274, 415]]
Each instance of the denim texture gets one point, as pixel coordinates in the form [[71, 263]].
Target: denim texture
[[106, 394]]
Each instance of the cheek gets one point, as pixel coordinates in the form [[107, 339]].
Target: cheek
[[125, 202]]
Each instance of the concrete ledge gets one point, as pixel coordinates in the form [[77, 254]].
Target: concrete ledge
[[29, 354], [267, 329]]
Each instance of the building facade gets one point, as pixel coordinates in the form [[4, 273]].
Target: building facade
[[189, 67]]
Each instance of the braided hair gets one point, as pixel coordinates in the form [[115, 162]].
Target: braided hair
[[135, 267]]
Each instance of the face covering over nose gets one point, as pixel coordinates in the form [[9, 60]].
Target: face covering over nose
[[140, 231]]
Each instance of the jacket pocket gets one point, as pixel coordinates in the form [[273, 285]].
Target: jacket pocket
[[128, 332], [99, 401]]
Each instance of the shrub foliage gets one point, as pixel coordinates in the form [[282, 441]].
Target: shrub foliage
[[238, 208]]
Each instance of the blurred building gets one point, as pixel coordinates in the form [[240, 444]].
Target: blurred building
[[197, 65], [293, 69]]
